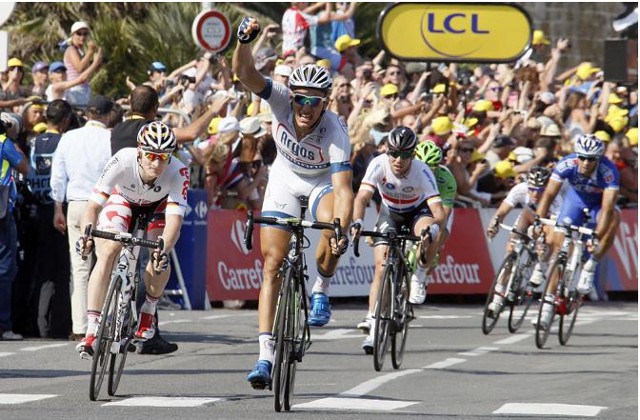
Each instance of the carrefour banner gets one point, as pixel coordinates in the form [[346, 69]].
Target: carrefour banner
[[462, 32]]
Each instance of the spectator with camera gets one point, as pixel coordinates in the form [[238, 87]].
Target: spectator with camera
[[76, 61]]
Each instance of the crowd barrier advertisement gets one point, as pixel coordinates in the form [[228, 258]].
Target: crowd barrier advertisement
[[467, 264]]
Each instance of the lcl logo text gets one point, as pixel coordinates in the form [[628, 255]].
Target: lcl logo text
[[455, 23]]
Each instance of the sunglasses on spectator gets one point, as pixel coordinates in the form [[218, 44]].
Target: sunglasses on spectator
[[466, 149], [394, 73], [588, 158], [406, 154], [344, 85], [392, 96], [162, 157], [312, 101], [496, 88], [82, 33]]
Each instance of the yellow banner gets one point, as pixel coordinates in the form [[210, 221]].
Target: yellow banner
[[455, 32]]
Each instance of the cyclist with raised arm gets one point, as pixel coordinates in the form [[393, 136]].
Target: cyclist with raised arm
[[313, 151], [410, 198], [143, 180], [594, 182], [527, 195]]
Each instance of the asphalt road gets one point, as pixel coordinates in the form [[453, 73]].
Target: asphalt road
[[451, 370]]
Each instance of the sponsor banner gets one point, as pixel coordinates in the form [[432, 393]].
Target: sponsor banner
[[619, 268], [462, 32]]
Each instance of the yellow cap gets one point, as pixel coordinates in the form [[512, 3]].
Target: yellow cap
[[40, 128], [388, 89], [538, 38], [476, 156], [618, 123], [503, 169], [585, 70], [483, 105], [14, 62], [614, 99], [632, 135], [439, 88], [213, 125], [602, 135], [344, 42], [326, 63], [615, 111], [470, 122], [441, 125]]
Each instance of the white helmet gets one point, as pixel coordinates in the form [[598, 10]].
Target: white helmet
[[157, 137], [310, 76], [589, 145]]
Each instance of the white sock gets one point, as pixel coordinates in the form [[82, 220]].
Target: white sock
[[149, 305], [590, 265], [322, 284], [93, 322], [499, 290], [266, 347], [421, 273]]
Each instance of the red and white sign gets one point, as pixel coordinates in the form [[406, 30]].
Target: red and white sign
[[211, 31], [619, 268]]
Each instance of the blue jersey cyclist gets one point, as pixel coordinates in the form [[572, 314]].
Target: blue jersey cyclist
[[313, 151], [594, 182]]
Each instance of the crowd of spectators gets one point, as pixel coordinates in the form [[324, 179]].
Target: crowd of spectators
[[493, 121]]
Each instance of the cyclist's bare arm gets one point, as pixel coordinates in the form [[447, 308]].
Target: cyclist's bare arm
[[553, 187], [498, 217], [360, 203], [439, 215], [171, 232], [343, 198], [90, 215], [244, 67]]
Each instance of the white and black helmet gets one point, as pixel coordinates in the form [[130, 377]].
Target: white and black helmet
[[310, 76], [538, 176], [402, 138], [589, 145], [157, 137]]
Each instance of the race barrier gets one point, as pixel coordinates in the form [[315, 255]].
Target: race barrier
[[467, 266], [224, 269]]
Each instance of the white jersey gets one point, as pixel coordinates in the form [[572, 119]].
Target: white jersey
[[325, 150], [519, 196], [401, 194], [122, 176]]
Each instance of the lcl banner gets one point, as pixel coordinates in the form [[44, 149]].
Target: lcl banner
[[619, 268]]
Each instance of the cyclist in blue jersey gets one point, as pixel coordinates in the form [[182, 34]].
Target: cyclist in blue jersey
[[594, 182], [312, 160]]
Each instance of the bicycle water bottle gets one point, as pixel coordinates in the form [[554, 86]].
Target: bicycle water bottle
[[412, 258]]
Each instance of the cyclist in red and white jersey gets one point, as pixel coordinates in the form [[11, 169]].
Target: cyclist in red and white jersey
[[313, 152], [410, 198], [146, 179]]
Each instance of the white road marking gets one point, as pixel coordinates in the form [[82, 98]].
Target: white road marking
[[364, 404], [550, 409], [5, 353], [370, 385], [513, 339], [479, 351], [445, 363], [23, 398], [175, 321], [445, 316], [215, 317], [163, 402], [47, 346], [336, 335]]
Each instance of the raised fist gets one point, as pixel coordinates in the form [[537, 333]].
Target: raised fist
[[248, 30]]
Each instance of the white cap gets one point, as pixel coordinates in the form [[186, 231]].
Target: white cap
[[283, 70], [251, 126], [228, 124], [523, 154], [79, 25]]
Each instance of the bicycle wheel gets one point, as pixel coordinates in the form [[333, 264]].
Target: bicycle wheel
[[104, 338], [404, 316], [126, 324], [490, 319], [568, 315], [382, 317], [283, 341], [543, 333], [298, 334], [522, 292]]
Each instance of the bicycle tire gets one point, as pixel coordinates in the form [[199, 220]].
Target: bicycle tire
[[405, 315], [568, 319], [523, 293], [298, 329], [117, 362], [281, 371], [543, 333], [488, 323], [382, 317], [104, 338]]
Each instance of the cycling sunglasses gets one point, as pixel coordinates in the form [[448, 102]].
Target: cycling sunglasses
[[536, 189], [162, 157], [406, 154], [589, 158], [303, 100]]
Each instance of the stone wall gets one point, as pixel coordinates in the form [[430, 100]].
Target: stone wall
[[586, 25]]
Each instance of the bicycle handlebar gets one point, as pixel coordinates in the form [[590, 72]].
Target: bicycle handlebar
[[515, 230], [286, 221], [124, 237], [580, 229], [392, 235]]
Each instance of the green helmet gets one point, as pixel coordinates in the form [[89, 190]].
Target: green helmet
[[429, 153]]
